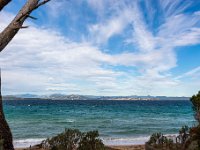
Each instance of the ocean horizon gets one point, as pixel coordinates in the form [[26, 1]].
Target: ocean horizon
[[118, 122]]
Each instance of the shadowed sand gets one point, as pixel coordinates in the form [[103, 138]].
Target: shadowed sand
[[129, 147]]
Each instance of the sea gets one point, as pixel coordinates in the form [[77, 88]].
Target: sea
[[118, 122]]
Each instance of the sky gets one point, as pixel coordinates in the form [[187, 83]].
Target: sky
[[104, 47]]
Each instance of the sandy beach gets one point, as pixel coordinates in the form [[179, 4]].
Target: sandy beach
[[128, 147], [123, 147]]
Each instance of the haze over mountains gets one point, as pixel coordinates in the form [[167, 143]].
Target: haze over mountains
[[88, 97]]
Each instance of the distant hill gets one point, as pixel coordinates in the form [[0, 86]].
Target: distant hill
[[27, 96], [68, 97], [88, 97]]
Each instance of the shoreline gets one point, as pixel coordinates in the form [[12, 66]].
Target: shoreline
[[113, 147], [137, 143], [127, 147], [110, 142]]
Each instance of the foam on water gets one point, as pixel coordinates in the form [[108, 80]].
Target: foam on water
[[140, 140], [107, 141], [27, 142]]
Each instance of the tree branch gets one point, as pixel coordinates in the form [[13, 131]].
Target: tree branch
[[3, 3], [11, 30], [34, 18], [42, 3]]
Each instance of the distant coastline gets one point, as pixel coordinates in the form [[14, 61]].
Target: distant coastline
[[89, 97]]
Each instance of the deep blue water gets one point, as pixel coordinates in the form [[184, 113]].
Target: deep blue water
[[117, 121]]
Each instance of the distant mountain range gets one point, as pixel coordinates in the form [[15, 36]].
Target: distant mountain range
[[87, 97]]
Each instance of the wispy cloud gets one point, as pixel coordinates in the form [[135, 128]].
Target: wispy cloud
[[48, 61], [56, 8], [194, 73], [111, 27], [175, 7]]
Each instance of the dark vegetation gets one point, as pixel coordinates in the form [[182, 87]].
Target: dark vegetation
[[1, 143], [188, 138], [73, 139]]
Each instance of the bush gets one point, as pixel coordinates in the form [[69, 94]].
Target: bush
[[195, 99], [90, 141], [195, 131], [158, 141], [1, 144], [73, 139]]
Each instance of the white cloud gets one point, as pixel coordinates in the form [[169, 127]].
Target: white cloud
[[55, 8], [47, 61], [141, 35], [174, 7], [97, 5], [36, 61], [178, 31], [156, 54], [194, 73], [111, 27]]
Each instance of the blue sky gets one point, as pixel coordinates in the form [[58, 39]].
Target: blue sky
[[105, 47]]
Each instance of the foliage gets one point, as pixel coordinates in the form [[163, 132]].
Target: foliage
[[73, 139], [68, 140], [156, 138], [194, 137], [90, 141], [195, 131], [183, 135], [1, 143], [159, 141], [195, 99]]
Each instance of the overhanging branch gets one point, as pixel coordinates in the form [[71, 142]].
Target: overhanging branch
[[11, 30], [3, 3]]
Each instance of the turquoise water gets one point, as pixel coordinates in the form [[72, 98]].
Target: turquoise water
[[119, 122]]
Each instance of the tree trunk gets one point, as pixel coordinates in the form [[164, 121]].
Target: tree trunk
[[5, 133]]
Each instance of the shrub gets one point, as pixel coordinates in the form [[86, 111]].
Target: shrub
[[183, 135], [195, 99], [90, 141], [68, 140], [195, 131], [156, 138], [158, 141], [1, 144], [73, 139]]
